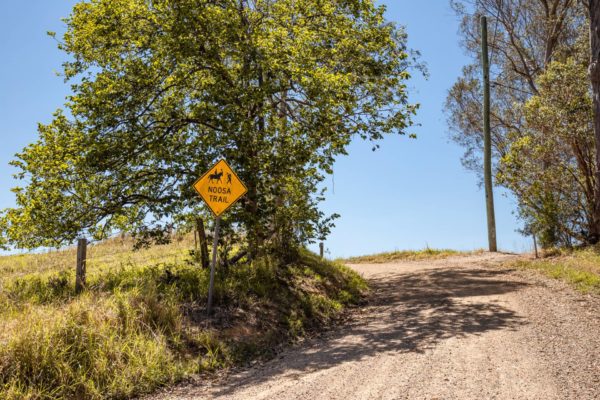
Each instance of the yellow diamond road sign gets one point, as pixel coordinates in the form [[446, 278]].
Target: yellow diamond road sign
[[220, 188]]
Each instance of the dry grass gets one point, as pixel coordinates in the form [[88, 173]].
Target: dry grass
[[141, 324], [113, 253], [405, 255], [581, 268]]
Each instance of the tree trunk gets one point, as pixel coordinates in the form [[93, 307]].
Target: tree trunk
[[203, 242], [594, 9]]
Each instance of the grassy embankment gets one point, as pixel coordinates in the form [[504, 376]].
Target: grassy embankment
[[580, 268], [141, 324], [404, 255]]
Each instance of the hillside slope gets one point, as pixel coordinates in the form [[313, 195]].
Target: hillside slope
[[142, 323]]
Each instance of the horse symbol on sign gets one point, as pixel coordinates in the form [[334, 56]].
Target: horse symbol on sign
[[216, 177]]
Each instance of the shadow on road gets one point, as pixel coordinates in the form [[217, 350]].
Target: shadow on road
[[407, 312]]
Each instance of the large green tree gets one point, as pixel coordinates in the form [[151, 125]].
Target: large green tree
[[163, 88]]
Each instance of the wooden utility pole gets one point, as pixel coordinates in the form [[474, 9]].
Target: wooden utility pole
[[81, 261], [487, 139], [594, 70]]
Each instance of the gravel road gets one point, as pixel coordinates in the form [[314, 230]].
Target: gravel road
[[458, 328]]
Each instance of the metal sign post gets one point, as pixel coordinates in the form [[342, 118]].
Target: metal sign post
[[220, 188], [213, 266]]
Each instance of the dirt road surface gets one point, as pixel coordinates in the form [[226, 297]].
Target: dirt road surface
[[459, 328]]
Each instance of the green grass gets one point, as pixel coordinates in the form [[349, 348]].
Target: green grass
[[141, 325], [407, 255], [580, 268]]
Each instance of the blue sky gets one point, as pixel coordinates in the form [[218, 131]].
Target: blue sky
[[407, 195]]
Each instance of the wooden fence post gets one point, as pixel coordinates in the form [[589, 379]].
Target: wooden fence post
[[81, 261]]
